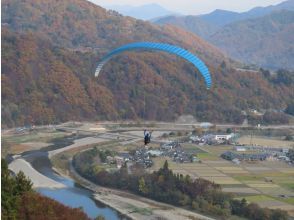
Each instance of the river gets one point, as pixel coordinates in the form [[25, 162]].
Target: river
[[78, 197], [73, 195]]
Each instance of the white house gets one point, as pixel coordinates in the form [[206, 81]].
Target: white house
[[206, 125], [194, 138], [239, 148], [223, 137], [156, 153], [236, 161]]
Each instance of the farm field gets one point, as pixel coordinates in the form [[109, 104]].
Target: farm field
[[264, 141], [17, 144], [34, 136], [268, 183], [268, 201]]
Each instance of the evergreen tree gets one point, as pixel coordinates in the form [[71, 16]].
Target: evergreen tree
[[11, 188], [23, 184], [165, 166], [142, 186]]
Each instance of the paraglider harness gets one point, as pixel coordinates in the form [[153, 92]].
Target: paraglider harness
[[147, 137]]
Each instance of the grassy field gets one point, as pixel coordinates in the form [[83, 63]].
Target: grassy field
[[288, 185], [269, 201], [207, 156], [216, 150], [192, 148], [248, 177], [16, 144], [265, 141], [33, 136], [288, 200], [258, 198]]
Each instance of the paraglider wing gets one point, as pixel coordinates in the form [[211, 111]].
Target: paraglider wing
[[161, 47]]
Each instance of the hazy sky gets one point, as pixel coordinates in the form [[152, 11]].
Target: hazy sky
[[194, 6]]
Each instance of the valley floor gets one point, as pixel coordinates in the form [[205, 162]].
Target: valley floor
[[261, 182], [134, 206]]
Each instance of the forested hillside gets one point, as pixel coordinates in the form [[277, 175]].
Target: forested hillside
[[50, 50], [194, 24]]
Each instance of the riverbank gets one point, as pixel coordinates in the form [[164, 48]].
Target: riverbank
[[134, 206], [39, 180]]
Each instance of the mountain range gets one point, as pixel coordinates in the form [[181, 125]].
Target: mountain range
[[257, 37], [144, 12], [50, 50], [222, 17], [219, 18]]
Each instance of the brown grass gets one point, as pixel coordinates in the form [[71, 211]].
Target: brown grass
[[266, 142]]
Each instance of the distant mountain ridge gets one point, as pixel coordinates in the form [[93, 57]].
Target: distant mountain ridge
[[144, 12], [223, 17], [219, 18], [190, 23], [228, 31]]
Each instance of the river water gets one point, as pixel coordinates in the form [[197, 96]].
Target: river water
[[73, 195], [78, 197]]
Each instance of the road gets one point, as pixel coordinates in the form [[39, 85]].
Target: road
[[161, 126], [77, 143]]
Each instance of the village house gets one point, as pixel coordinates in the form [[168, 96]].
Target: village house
[[240, 148], [156, 153], [223, 137], [110, 159], [119, 161]]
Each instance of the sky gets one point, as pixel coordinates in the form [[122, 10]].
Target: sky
[[194, 7]]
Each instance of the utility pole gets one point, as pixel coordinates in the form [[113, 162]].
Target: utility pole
[[144, 116], [251, 137]]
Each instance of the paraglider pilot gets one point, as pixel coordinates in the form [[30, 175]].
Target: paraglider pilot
[[147, 137]]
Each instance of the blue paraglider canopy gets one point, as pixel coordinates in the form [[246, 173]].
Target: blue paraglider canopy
[[199, 64]]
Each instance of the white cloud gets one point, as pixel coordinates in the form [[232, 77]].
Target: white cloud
[[194, 6]]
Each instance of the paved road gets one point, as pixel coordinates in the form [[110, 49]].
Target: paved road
[[77, 143], [164, 126]]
